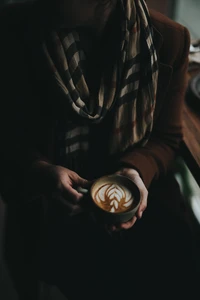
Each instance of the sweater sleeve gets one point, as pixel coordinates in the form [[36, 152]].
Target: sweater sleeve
[[157, 156]]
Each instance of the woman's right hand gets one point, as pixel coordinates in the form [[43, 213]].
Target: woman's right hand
[[56, 183]]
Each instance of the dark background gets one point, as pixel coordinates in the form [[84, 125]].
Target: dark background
[[7, 291], [164, 6]]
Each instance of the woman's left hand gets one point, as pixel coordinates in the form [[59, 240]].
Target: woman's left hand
[[135, 177]]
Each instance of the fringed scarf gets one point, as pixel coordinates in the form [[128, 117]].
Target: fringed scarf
[[130, 88]]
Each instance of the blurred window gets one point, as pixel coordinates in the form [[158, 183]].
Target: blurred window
[[187, 12]]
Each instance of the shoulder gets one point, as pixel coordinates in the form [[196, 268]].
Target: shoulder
[[163, 23], [175, 37]]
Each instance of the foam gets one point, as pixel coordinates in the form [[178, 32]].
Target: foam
[[114, 197]]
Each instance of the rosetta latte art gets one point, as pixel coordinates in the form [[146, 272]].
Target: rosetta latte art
[[114, 198]]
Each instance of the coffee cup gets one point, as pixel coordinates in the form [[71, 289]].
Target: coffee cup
[[114, 198]]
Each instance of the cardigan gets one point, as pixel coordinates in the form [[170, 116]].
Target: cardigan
[[28, 114]]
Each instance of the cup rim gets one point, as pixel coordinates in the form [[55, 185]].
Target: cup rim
[[134, 208]]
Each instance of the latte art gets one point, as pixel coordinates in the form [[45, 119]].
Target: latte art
[[114, 198]]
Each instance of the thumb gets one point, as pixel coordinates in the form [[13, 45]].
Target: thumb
[[82, 182], [83, 185]]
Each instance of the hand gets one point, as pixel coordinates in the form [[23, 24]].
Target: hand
[[135, 177], [57, 183]]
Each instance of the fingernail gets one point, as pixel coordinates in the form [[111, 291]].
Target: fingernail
[[140, 215]]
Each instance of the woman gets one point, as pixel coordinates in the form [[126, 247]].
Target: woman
[[98, 87]]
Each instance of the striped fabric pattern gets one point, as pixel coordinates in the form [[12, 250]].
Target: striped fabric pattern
[[130, 88]]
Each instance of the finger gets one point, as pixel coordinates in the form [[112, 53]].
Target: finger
[[140, 211], [79, 181], [143, 195], [143, 204], [72, 195], [135, 177], [128, 224]]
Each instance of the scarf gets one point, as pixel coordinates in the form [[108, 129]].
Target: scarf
[[129, 89]]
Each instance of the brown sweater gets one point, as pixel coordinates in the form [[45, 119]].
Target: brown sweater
[[28, 114]]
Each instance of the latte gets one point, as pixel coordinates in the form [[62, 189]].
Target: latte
[[113, 197]]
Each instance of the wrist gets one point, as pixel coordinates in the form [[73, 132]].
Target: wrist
[[125, 170]]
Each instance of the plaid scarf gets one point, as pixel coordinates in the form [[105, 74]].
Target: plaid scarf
[[129, 89]]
